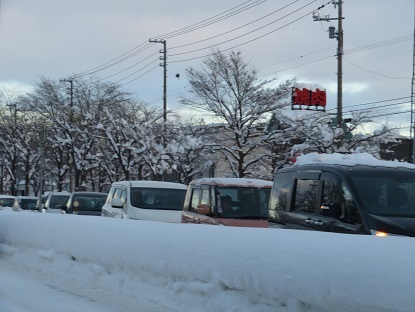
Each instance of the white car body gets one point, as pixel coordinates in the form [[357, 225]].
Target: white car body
[[54, 202], [159, 201]]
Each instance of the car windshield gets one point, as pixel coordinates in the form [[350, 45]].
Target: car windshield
[[387, 194], [243, 202], [28, 203], [158, 198], [57, 201], [7, 202], [89, 202]]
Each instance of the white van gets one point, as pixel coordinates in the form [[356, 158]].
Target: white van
[[145, 200]]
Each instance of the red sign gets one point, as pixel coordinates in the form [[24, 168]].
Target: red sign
[[305, 96]]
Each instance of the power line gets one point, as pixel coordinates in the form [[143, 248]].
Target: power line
[[315, 113], [390, 114], [379, 44], [234, 29], [151, 69], [298, 57], [252, 40], [134, 51], [129, 67], [377, 107], [350, 51], [114, 61], [250, 32], [155, 60], [214, 21], [373, 72]]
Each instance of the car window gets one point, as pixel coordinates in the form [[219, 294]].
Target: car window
[[28, 203], [205, 197], [111, 194], [195, 199], [58, 200], [7, 202], [120, 193], [306, 196], [386, 194], [332, 202], [280, 191]]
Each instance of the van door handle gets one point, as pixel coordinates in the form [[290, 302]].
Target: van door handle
[[309, 221], [318, 223]]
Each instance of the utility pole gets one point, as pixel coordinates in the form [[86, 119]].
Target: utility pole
[[42, 163], [70, 80], [164, 64], [339, 35]]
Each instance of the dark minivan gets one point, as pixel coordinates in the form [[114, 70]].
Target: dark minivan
[[85, 203], [357, 199]]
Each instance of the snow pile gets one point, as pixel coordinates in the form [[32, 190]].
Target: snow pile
[[312, 87], [186, 267], [236, 182], [349, 160]]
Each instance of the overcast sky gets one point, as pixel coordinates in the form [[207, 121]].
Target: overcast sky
[[57, 39]]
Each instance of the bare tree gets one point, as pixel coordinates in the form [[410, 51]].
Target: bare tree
[[229, 92]]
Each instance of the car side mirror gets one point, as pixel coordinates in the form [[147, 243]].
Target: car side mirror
[[64, 208], [203, 209], [116, 203]]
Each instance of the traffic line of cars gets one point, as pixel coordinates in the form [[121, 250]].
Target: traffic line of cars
[[82, 203], [375, 199]]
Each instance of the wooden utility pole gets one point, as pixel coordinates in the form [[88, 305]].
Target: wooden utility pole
[[71, 165], [164, 64], [339, 35], [42, 163]]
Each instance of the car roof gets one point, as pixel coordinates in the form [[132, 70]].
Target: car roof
[[353, 159], [152, 184], [59, 194], [89, 193], [27, 197], [236, 182], [7, 196], [347, 168]]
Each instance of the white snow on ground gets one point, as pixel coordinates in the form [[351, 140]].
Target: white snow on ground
[[51, 262]]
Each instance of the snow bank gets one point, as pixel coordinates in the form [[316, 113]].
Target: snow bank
[[216, 268]]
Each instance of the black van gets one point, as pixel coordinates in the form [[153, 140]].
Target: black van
[[357, 199]]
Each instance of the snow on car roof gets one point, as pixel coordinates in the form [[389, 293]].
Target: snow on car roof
[[239, 182], [153, 184], [349, 160]]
